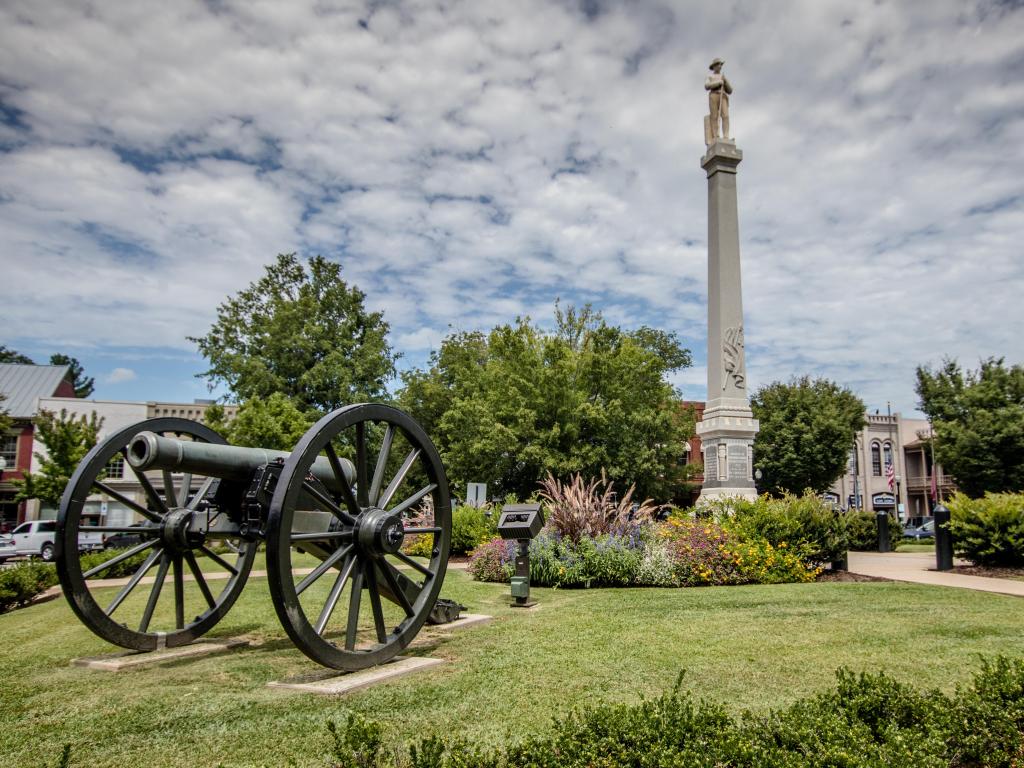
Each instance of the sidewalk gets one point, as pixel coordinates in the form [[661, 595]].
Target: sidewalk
[[919, 568]]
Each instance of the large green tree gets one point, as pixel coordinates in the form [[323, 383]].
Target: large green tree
[[978, 420], [509, 406], [807, 431], [301, 331], [67, 438], [84, 385], [13, 356], [273, 422]]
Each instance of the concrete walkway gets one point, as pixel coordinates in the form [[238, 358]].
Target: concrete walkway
[[919, 568]]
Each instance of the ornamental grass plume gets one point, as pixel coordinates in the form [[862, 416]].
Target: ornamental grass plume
[[577, 509]]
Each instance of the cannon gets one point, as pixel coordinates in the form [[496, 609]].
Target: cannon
[[333, 515]]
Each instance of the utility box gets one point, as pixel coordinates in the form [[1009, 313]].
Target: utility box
[[521, 522]]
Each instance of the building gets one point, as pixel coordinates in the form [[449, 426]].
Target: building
[[22, 386], [114, 415]]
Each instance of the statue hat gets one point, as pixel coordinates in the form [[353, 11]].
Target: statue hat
[[716, 61]]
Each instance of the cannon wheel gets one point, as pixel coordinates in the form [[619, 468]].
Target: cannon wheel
[[397, 469], [112, 616]]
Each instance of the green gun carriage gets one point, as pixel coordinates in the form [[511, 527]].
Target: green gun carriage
[[333, 515]]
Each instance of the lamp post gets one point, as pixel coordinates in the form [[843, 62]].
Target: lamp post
[[898, 502]]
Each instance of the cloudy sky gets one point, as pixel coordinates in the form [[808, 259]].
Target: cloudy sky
[[468, 162]]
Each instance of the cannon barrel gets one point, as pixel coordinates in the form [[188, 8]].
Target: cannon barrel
[[148, 450]]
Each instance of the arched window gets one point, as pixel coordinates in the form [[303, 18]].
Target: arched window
[[853, 465], [887, 455], [876, 460]]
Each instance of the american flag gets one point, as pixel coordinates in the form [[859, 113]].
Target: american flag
[[890, 474]]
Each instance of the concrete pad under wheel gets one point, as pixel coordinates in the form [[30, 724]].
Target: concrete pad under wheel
[[116, 662], [330, 682], [463, 622]]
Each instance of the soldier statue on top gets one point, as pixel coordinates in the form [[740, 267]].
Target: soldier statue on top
[[718, 88]]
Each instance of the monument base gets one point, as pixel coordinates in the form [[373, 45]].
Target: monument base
[[727, 432]]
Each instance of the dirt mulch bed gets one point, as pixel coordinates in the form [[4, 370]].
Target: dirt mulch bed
[[992, 573], [846, 576]]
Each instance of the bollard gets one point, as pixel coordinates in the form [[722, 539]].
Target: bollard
[[841, 564], [943, 539], [882, 521]]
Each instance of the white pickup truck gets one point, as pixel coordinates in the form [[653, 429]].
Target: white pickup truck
[[36, 539]]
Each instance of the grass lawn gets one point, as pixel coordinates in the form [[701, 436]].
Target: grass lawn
[[915, 547], [750, 647]]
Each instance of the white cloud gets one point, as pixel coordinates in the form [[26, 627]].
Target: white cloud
[[471, 161], [120, 375]]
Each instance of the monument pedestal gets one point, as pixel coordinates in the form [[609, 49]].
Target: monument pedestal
[[728, 426]]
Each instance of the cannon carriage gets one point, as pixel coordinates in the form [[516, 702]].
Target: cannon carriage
[[332, 514]]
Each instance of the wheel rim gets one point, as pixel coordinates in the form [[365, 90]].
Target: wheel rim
[[132, 615], [345, 592]]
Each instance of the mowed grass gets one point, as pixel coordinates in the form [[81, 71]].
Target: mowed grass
[[750, 647]]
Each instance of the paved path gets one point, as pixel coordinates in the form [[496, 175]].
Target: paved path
[[919, 568]]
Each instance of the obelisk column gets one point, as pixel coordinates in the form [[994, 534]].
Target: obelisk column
[[728, 426]]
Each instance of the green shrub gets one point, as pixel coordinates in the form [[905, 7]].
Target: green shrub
[[20, 584], [471, 527], [990, 530], [119, 570], [867, 721], [806, 524], [862, 531], [493, 561]]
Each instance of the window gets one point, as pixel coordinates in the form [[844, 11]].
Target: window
[[115, 469], [876, 460], [47, 527], [9, 450], [887, 451], [23, 528], [853, 465]]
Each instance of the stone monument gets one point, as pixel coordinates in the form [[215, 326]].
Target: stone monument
[[728, 427]]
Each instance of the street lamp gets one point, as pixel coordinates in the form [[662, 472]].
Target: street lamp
[[898, 505]]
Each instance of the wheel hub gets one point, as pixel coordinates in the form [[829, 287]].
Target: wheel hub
[[380, 532], [177, 532]]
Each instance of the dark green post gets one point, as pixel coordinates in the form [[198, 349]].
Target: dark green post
[[943, 539], [882, 521]]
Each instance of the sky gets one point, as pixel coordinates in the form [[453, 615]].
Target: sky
[[469, 162]]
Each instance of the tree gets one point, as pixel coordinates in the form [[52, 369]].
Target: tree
[[12, 356], [83, 386], [67, 439], [274, 423], [510, 406], [304, 334], [978, 421], [5, 417], [807, 431]]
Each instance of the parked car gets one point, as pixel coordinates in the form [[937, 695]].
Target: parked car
[[126, 539], [7, 549], [36, 539], [924, 531]]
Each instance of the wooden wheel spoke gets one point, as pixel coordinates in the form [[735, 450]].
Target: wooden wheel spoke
[[134, 529], [186, 489], [120, 558], [321, 569], [415, 531], [197, 574], [375, 605], [133, 582], [391, 577], [382, 463], [323, 536], [179, 593], [170, 497], [153, 517], [332, 598], [219, 560], [343, 482], [353, 611], [362, 489], [147, 486], [200, 494], [327, 503], [399, 478], [413, 564], [154, 594], [416, 497]]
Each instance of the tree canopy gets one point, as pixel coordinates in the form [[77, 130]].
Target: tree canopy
[[13, 356], [807, 432], [84, 385], [67, 439], [302, 332], [508, 406], [274, 423], [978, 421]]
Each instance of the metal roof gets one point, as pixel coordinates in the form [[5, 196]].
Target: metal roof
[[23, 385]]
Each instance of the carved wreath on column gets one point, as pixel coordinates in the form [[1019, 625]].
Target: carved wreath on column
[[732, 357]]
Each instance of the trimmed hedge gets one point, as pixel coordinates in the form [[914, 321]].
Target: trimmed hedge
[[867, 721], [22, 583], [989, 531]]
